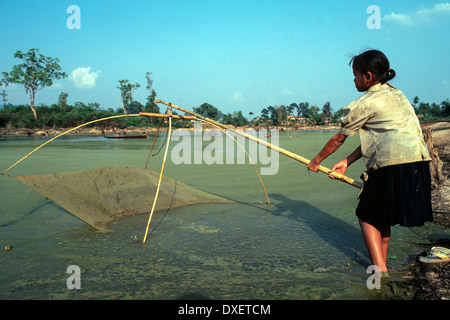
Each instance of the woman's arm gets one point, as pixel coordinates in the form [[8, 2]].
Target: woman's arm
[[342, 165], [332, 145], [354, 156]]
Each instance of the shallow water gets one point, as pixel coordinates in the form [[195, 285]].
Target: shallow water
[[305, 245]]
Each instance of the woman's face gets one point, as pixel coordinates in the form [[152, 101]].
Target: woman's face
[[363, 81], [360, 80]]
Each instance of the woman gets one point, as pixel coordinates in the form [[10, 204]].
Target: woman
[[397, 187]]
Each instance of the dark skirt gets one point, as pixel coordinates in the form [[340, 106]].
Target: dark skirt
[[398, 194]]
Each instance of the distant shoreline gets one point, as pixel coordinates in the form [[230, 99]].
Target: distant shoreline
[[141, 130]]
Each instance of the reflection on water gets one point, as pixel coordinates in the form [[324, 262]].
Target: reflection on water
[[305, 245]]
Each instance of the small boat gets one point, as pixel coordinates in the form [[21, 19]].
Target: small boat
[[126, 137]]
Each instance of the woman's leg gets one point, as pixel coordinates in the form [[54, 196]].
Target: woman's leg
[[377, 242]]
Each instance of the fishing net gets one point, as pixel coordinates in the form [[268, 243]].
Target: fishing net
[[99, 196]]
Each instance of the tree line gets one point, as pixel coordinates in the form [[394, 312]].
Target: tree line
[[308, 114], [38, 71], [63, 115]]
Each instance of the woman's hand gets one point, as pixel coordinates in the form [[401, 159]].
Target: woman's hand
[[340, 167], [314, 165], [331, 146]]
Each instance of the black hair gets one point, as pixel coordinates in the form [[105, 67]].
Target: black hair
[[375, 62]]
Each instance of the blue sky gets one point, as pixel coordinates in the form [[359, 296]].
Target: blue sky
[[234, 54]]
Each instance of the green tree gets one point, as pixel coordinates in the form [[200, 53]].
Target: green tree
[[265, 114], [149, 82], [35, 73], [94, 105], [208, 111], [135, 107], [445, 106], [282, 114], [126, 92], [292, 107], [338, 115], [62, 100], [273, 115], [326, 109], [150, 105], [303, 109], [235, 119], [227, 118], [424, 110], [314, 116], [415, 101], [4, 95], [238, 119], [435, 110]]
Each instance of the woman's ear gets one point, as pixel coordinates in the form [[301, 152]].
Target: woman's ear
[[370, 78]]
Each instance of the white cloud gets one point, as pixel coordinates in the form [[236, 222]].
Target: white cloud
[[400, 18], [440, 13], [56, 85], [237, 96], [83, 78], [287, 92]]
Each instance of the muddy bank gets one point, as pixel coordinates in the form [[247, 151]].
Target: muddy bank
[[439, 148], [422, 281]]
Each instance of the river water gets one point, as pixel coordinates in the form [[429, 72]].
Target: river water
[[305, 245]]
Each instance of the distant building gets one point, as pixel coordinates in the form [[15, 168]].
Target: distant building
[[299, 119]]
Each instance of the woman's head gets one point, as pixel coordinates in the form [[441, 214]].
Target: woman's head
[[371, 67]]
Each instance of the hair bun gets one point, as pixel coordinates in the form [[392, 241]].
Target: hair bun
[[390, 74]]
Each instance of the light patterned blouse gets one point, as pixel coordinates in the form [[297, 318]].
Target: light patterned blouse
[[388, 127]]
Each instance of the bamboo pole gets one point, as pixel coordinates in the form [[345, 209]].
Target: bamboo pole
[[250, 158], [268, 145], [65, 132], [159, 182], [160, 115], [220, 128], [157, 115]]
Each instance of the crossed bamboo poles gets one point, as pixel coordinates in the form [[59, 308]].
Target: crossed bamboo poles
[[266, 144], [250, 137], [195, 116]]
